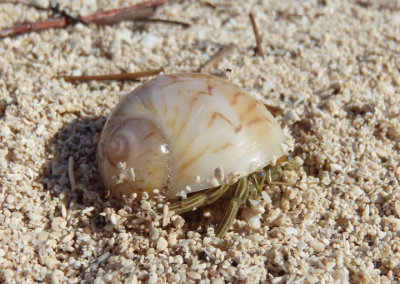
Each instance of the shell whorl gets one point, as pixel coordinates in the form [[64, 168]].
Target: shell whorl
[[202, 123], [130, 153]]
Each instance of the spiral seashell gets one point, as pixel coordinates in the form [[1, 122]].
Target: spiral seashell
[[185, 132]]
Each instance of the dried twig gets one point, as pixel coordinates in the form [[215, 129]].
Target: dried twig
[[133, 12], [114, 77], [228, 49], [37, 26], [256, 35], [219, 4], [137, 11], [165, 21]]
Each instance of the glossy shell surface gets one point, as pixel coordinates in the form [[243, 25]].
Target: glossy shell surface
[[175, 132]]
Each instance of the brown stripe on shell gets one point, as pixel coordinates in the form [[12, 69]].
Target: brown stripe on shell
[[223, 147], [192, 104], [209, 91], [174, 80], [215, 115], [236, 96], [250, 112], [251, 106], [164, 104], [238, 128], [148, 136], [193, 159], [186, 148], [182, 125], [150, 106], [254, 120], [144, 153]]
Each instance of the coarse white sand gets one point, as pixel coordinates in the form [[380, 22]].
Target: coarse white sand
[[331, 66]]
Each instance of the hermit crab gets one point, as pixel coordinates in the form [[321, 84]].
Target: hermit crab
[[193, 138]]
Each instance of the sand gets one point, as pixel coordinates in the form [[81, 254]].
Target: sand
[[331, 67]]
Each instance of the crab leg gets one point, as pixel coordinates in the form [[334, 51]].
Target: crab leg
[[240, 197], [198, 199]]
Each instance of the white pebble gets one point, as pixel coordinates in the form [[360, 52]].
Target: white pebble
[[194, 275], [150, 41], [165, 215], [103, 257], [162, 244], [219, 174], [152, 278], [76, 72], [63, 211], [214, 182], [145, 206], [113, 219]]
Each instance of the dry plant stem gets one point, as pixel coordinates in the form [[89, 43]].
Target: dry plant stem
[[133, 12], [164, 21], [259, 49], [115, 77], [226, 50], [37, 26], [104, 17]]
